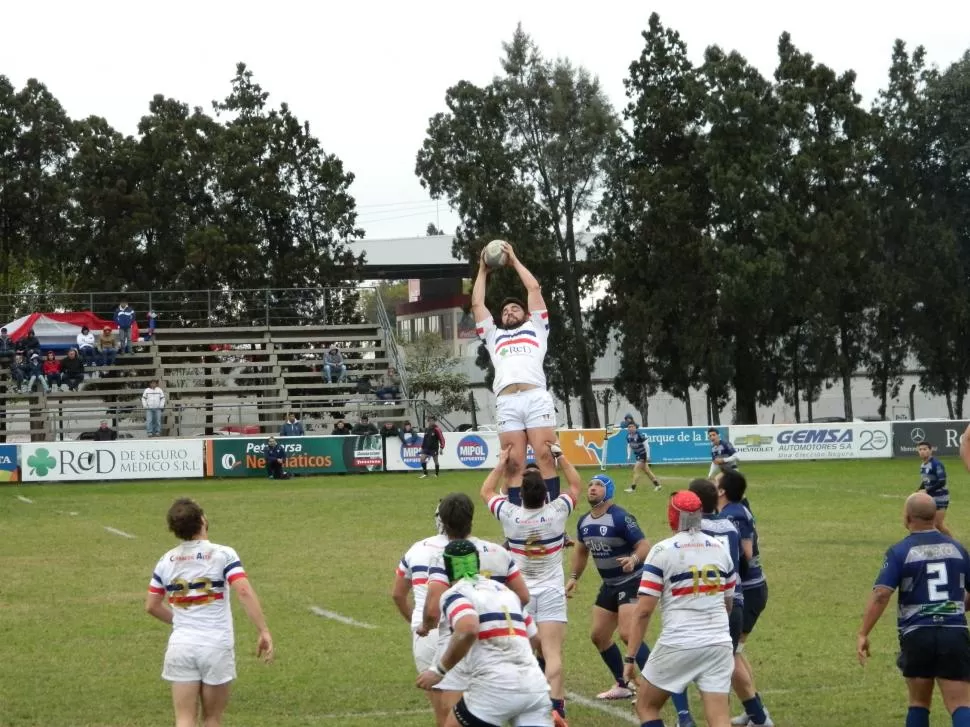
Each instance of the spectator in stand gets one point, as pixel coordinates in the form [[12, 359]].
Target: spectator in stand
[[108, 347], [104, 433], [7, 347], [124, 317], [72, 370], [29, 344], [390, 388], [390, 430], [36, 373], [153, 400], [152, 324], [85, 345], [341, 429], [365, 428], [333, 362], [18, 371], [52, 370], [408, 435], [292, 427], [275, 457]]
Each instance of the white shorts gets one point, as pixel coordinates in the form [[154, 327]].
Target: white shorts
[[532, 409], [498, 707], [672, 668], [210, 665], [547, 604], [424, 649], [456, 680]]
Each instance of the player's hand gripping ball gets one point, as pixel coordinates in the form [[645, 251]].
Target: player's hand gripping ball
[[494, 255]]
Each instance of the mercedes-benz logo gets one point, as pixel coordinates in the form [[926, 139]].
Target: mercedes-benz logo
[[917, 435]]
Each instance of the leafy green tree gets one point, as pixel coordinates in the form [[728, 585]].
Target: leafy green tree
[[661, 290], [742, 161], [434, 370], [520, 159]]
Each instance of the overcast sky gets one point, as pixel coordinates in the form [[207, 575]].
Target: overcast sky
[[368, 75]]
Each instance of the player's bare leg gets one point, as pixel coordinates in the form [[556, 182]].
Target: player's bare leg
[[517, 440], [938, 522], [920, 700], [956, 695], [552, 634], [601, 634], [650, 700], [185, 700], [742, 681], [214, 701], [717, 708], [443, 704]]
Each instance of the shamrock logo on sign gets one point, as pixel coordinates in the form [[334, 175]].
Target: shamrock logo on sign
[[41, 462]]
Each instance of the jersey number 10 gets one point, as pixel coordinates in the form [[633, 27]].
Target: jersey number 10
[[707, 579]]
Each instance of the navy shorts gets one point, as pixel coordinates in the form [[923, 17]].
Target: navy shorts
[[642, 457], [430, 452], [942, 500], [755, 600], [612, 597], [935, 652]]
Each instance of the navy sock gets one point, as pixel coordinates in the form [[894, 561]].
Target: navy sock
[[755, 710], [559, 706], [515, 495], [542, 663], [643, 653], [614, 662], [424, 467], [653, 723], [552, 487], [680, 703], [918, 717], [960, 716]]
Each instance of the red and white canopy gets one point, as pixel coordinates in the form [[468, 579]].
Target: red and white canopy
[[60, 330]]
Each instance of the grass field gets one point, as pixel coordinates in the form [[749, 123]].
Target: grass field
[[78, 649]]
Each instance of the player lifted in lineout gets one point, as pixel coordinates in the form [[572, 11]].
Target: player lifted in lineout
[[524, 410]]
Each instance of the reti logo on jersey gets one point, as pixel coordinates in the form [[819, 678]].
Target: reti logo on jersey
[[472, 451], [409, 455]]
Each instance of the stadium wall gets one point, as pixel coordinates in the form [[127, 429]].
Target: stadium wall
[[172, 458]]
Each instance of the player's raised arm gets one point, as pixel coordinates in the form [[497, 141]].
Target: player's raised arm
[[965, 448], [573, 479], [479, 310], [532, 287], [492, 486]]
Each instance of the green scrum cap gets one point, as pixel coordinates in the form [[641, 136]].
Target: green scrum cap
[[461, 560]]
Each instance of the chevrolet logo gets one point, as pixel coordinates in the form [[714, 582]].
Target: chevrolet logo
[[753, 440]]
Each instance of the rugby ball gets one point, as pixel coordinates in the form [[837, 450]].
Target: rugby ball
[[494, 255]]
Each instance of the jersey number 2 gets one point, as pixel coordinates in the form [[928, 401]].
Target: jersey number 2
[[937, 582]]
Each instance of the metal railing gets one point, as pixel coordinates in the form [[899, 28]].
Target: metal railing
[[390, 336], [209, 308]]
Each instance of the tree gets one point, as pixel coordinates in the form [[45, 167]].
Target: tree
[[388, 293], [742, 162], [520, 159], [661, 290], [899, 172], [826, 137], [288, 203], [433, 230], [433, 370]]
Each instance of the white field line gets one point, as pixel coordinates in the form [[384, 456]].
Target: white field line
[[625, 715], [25, 499], [122, 533], [341, 618]]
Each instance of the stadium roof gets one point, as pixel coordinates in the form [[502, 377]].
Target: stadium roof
[[420, 257]]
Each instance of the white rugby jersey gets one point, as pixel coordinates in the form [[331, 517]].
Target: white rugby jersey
[[536, 538], [502, 657], [494, 562], [196, 576], [414, 566], [690, 573], [517, 354]]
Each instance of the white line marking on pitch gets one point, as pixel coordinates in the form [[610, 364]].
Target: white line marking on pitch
[[338, 617], [25, 499], [623, 714], [122, 533]]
